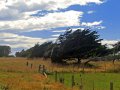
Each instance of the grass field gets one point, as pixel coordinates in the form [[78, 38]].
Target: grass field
[[98, 81], [16, 75]]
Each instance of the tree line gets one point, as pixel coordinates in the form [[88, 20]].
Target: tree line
[[5, 51], [78, 44]]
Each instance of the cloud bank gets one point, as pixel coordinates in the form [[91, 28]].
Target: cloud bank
[[16, 16]]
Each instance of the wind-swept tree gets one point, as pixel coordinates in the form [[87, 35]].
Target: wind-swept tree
[[79, 44]]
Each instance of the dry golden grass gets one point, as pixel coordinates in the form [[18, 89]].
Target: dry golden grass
[[19, 65], [16, 75]]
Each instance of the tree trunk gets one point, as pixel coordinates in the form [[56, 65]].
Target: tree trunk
[[87, 62], [114, 61], [79, 60]]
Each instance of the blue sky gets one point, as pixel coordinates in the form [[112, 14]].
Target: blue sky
[[108, 12], [26, 22]]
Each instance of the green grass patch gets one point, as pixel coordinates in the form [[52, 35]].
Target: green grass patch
[[100, 81]]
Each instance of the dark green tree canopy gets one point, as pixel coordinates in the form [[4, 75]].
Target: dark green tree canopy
[[79, 44], [43, 50], [5, 51]]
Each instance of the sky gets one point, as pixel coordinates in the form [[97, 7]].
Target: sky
[[23, 23]]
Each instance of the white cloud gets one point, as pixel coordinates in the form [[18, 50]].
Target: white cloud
[[74, 29], [31, 5], [95, 24], [51, 20], [59, 31], [20, 11], [100, 27], [14, 9], [109, 43], [90, 12], [56, 35], [90, 24], [20, 41], [15, 16]]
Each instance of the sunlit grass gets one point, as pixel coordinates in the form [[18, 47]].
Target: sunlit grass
[[16, 75]]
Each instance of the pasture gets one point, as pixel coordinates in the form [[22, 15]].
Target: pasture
[[91, 81], [15, 74]]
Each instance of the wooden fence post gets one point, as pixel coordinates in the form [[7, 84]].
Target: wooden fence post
[[27, 63], [31, 66], [39, 69], [73, 81], [111, 85], [81, 84], [83, 68], [61, 80], [44, 69], [56, 76], [93, 86]]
